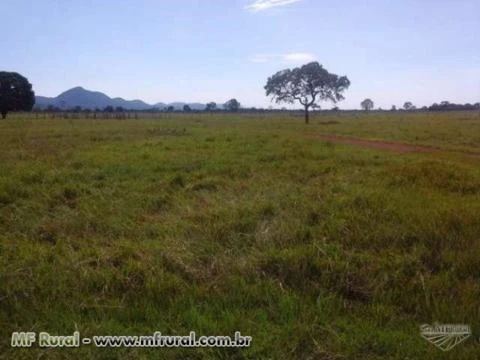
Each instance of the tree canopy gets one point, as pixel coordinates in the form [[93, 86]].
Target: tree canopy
[[367, 104], [308, 85], [232, 105], [211, 106], [16, 93]]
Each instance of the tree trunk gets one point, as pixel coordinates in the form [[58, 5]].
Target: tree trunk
[[4, 115], [307, 115]]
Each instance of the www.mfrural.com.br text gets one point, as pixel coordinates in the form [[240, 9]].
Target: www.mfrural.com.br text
[[157, 340]]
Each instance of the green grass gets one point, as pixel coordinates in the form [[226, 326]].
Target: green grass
[[447, 130], [240, 223]]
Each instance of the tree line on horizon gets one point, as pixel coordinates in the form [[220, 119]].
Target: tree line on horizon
[[368, 105], [231, 105]]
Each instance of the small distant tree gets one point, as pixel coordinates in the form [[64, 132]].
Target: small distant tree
[[211, 106], [308, 85], [108, 109], [232, 105], [119, 109], [16, 93], [171, 108], [394, 108], [187, 108], [408, 106], [367, 104]]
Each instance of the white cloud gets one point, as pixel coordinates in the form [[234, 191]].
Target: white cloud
[[291, 58], [260, 5], [298, 57], [260, 58]]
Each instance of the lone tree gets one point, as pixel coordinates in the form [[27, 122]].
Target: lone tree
[[308, 85], [408, 106], [367, 104], [16, 93], [211, 106], [187, 108], [232, 105]]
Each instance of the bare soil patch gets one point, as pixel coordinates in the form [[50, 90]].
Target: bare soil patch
[[377, 144]]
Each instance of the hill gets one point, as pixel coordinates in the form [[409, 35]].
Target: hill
[[88, 99]]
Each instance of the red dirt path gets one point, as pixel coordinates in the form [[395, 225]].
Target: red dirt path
[[376, 144]]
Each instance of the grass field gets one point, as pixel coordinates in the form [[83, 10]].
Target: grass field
[[224, 223]]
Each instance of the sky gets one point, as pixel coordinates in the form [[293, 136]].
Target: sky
[[423, 51]]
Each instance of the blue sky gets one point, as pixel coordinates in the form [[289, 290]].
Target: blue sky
[[423, 51]]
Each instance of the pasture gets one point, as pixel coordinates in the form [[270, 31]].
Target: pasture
[[316, 247]]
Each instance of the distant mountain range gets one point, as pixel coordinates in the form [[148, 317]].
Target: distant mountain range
[[87, 99]]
